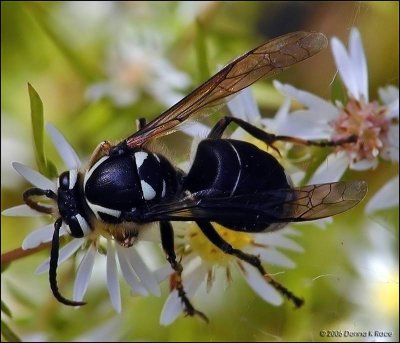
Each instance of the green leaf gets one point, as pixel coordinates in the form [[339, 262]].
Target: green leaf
[[338, 91], [8, 334], [45, 166], [51, 169], [201, 52], [37, 127], [5, 309]]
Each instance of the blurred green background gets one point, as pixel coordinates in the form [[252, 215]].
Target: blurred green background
[[64, 48]]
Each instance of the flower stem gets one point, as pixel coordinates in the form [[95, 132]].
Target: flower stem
[[18, 253]]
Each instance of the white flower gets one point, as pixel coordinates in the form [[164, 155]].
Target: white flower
[[136, 64], [136, 273], [201, 261], [374, 125], [375, 289]]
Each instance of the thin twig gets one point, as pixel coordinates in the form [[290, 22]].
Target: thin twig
[[18, 253]]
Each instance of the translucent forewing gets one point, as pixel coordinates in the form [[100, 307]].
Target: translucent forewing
[[268, 59], [275, 206]]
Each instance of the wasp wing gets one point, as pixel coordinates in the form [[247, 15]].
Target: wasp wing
[[266, 60], [277, 206]]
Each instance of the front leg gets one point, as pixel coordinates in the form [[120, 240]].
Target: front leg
[[167, 241], [101, 150], [141, 123]]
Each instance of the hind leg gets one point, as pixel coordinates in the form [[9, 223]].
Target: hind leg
[[216, 239]]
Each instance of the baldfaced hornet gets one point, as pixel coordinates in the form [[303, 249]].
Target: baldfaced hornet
[[230, 182]]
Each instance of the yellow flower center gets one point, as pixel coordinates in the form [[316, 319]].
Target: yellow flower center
[[210, 253]]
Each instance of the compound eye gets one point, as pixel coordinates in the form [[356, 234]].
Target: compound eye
[[63, 180]]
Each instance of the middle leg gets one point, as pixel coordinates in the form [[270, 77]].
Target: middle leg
[[167, 241]]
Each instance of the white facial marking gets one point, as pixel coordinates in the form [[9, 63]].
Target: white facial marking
[[140, 157], [148, 191], [83, 224], [73, 177], [164, 188]]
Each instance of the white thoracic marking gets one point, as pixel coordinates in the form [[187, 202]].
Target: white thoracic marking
[[148, 191], [164, 188], [98, 208], [240, 168], [66, 227], [289, 179], [140, 157], [92, 169], [83, 224], [73, 176], [157, 158]]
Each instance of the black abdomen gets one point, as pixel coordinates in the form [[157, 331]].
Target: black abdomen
[[226, 167]]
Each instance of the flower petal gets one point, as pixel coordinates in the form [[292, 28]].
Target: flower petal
[[345, 67], [65, 150], [173, 306], [281, 116], [393, 110], [364, 164], [273, 256], [34, 177], [243, 106], [39, 236], [388, 94], [84, 273], [386, 197], [65, 253], [112, 277], [195, 129], [327, 111], [391, 152], [163, 272], [128, 273], [301, 124], [332, 169], [276, 239], [280, 120], [359, 62], [22, 211], [260, 285], [321, 223], [143, 272]]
